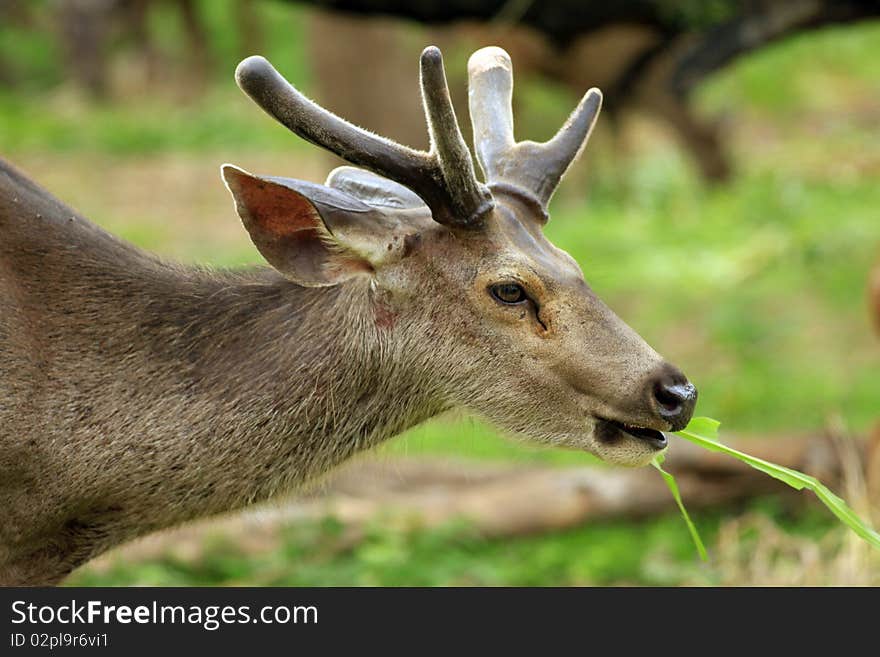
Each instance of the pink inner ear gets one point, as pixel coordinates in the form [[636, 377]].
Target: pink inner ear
[[277, 211], [289, 231]]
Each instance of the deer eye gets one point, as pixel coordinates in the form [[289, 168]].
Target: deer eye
[[510, 293]]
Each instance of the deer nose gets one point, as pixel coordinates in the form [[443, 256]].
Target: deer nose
[[673, 397]]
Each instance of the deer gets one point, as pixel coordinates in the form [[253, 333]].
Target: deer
[[137, 394]]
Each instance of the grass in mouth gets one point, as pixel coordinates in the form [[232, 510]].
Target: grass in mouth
[[703, 431]]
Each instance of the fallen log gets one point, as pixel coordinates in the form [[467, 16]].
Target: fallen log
[[494, 499]]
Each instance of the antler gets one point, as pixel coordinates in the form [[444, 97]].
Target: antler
[[443, 176], [528, 166]]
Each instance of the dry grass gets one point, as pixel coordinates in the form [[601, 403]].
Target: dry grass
[[752, 550]]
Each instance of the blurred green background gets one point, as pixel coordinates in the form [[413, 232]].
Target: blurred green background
[[755, 287]]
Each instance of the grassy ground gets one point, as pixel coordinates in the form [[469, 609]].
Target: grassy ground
[[619, 552], [755, 288]]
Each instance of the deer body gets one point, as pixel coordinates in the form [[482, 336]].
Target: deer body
[[137, 394]]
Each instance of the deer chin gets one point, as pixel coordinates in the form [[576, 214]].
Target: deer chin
[[625, 444]]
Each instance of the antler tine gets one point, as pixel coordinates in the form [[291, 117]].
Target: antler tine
[[450, 199], [569, 142], [277, 97], [533, 168], [470, 198], [490, 93]]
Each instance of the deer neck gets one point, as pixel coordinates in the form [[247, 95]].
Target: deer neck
[[287, 382], [233, 389]]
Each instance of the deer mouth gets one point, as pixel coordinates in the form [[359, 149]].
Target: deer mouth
[[610, 431]]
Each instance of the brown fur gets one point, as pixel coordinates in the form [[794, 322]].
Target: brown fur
[[137, 394]]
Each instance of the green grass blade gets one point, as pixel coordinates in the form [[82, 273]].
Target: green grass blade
[[703, 432], [673, 488]]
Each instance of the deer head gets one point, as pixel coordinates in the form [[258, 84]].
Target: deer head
[[464, 289]]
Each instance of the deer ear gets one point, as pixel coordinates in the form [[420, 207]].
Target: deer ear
[[290, 222]]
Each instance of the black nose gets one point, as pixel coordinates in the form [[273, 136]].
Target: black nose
[[673, 397]]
